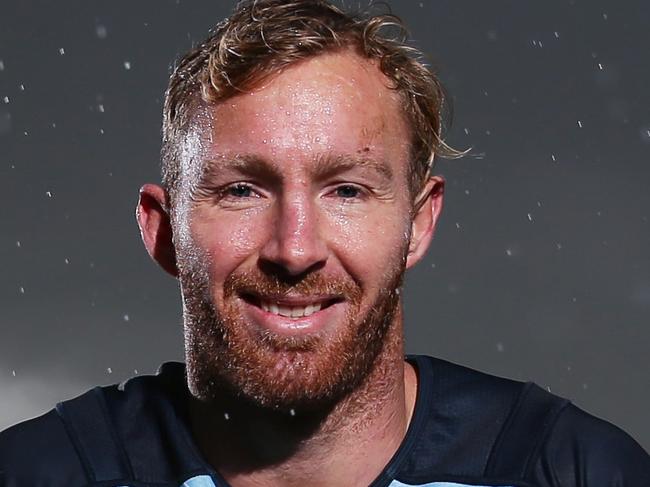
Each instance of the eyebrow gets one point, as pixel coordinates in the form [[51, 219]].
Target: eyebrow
[[326, 165]]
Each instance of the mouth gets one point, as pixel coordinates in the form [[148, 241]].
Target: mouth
[[291, 307]]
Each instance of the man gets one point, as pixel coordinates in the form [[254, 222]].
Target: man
[[296, 191]]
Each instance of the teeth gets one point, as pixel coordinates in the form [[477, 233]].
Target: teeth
[[291, 311]]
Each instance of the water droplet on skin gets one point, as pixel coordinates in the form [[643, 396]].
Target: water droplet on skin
[[126, 318], [127, 65], [61, 51]]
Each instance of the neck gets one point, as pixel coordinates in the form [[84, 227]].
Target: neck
[[348, 443]]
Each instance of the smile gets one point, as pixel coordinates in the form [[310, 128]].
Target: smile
[[290, 311]]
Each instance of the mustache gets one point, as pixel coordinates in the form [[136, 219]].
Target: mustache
[[257, 283]]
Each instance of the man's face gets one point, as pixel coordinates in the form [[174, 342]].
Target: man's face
[[292, 236]]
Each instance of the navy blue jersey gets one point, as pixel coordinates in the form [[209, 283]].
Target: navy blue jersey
[[467, 429]]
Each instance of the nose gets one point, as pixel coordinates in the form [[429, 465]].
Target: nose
[[295, 244]]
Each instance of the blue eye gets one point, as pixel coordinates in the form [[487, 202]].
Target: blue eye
[[240, 191], [348, 191]]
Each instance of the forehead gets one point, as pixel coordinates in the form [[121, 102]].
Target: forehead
[[333, 103]]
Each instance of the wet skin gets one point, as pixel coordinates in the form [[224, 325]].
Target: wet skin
[[307, 174]]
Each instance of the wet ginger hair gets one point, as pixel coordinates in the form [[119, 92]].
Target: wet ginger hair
[[263, 37]]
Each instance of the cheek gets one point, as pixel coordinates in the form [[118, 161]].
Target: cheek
[[369, 241], [227, 239]]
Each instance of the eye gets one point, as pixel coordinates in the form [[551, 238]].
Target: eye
[[240, 190], [348, 191]]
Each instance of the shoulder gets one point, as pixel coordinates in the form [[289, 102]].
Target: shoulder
[[583, 450], [39, 452], [89, 438]]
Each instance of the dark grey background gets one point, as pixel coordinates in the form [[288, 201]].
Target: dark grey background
[[540, 269]]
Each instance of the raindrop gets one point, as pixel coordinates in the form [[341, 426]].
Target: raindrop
[[22, 290], [18, 244], [126, 318], [49, 194], [558, 246], [100, 107], [292, 412], [539, 204], [553, 158], [585, 386], [530, 217], [605, 16], [500, 347], [53, 125], [101, 131], [466, 131], [22, 87], [6, 99], [467, 192], [101, 31], [458, 225], [13, 372], [66, 260], [579, 124], [557, 34], [600, 66], [226, 416], [2, 65], [509, 252], [109, 370], [645, 134], [61, 51], [135, 371], [127, 65]]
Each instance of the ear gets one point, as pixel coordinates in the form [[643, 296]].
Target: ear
[[427, 208], [155, 226]]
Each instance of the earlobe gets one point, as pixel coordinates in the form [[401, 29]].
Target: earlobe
[[155, 227], [427, 208]]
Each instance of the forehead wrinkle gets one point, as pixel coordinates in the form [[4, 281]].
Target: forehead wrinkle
[[328, 165]]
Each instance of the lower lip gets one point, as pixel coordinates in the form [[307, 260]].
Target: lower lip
[[315, 323]]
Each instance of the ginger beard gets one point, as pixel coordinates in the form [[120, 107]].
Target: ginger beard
[[224, 354]]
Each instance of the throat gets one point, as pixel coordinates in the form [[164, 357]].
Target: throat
[[348, 443]]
